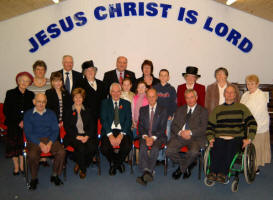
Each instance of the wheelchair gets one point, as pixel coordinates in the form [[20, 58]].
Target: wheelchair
[[243, 162]]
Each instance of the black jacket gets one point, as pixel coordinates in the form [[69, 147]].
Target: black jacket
[[70, 121], [53, 101], [111, 77]]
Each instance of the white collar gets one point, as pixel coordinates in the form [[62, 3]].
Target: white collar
[[40, 113], [192, 108]]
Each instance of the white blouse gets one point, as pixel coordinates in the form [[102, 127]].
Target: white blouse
[[257, 104]]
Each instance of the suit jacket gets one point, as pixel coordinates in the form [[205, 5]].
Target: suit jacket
[[111, 77], [201, 92], [53, 101], [159, 123], [77, 79], [197, 123], [70, 121], [107, 116], [94, 98], [212, 96]]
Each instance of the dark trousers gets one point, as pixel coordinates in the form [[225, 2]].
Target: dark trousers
[[34, 152], [173, 150], [147, 162], [222, 154], [84, 152], [116, 157]]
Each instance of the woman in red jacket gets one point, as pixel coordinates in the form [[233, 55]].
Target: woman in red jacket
[[191, 76]]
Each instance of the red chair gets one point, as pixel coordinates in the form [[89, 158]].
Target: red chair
[[200, 159], [136, 145], [130, 156], [71, 150], [3, 127], [25, 151]]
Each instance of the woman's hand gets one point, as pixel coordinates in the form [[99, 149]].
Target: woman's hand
[[21, 124]]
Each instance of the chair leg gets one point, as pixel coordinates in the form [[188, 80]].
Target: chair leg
[[166, 166], [130, 161], [98, 162], [64, 168], [200, 166], [26, 168]]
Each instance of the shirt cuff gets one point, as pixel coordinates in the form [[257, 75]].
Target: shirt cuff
[[123, 133], [109, 134], [179, 133], [191, 133], [154, 137], [144, 136]]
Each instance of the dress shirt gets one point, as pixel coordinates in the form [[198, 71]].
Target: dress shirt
[[150, 110], [118, 74], [70, 78], [221, 94], [93, 84], [188, 109]]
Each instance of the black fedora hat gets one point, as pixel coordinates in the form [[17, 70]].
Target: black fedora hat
[[88, 64], [191, 70]]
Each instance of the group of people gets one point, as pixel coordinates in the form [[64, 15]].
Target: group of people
[[126, 108]]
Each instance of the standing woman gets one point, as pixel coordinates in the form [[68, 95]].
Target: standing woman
[[215, 91], [80, 133], [40, 83], [256, 101], [191, 75], [147, 69], [17, 101], [58, 99], [94, 89]]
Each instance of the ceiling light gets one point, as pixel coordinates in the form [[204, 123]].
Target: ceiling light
[[55, 1], [229, 2]]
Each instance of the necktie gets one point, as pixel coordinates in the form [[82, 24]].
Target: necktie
[[67, 82], [151, 122], [120, 78], [188, 116], [116, 115]]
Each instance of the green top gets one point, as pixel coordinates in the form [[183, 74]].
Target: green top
[[231, 120]]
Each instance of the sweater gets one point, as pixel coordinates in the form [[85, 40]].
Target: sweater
[[38, 126], [166, 97], [231, 120]]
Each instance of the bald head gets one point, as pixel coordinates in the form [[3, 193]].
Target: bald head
[[121, 63], [40, 102]]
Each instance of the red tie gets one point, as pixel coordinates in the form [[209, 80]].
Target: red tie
[[120, 78]]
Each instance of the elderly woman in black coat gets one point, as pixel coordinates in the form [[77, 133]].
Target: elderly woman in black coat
[[17, 101]]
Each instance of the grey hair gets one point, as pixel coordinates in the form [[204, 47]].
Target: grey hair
[[190, 91], [113, 84]]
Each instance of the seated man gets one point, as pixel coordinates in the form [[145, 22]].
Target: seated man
[[188, 129], [231, 127], [42, 130], [152, 126], [116, 120]]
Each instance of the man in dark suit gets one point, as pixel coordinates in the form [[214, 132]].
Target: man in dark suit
[[119, 74], [152, 126], [116, 120], [188, 129], [71, 78]]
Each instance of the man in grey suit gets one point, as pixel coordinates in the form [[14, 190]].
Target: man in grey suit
[[152, 126], [188, 129]]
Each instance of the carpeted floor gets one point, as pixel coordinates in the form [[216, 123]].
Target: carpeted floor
[[124, 186]]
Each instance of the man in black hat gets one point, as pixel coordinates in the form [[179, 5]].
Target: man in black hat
[[94, 88], [191, 77]]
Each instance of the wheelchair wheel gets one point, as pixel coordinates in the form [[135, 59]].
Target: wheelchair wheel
[[250, 163], [209, 183], [234, 186], [206, 161]]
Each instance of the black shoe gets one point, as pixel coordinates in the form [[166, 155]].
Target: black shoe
[[15, 173], [112, 171], [160, 162], [148, 177], [177, 174], [33, 184], [22, 172], [121, 168], [141, 180], [187, 173], [258, 172], [56, 180]]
